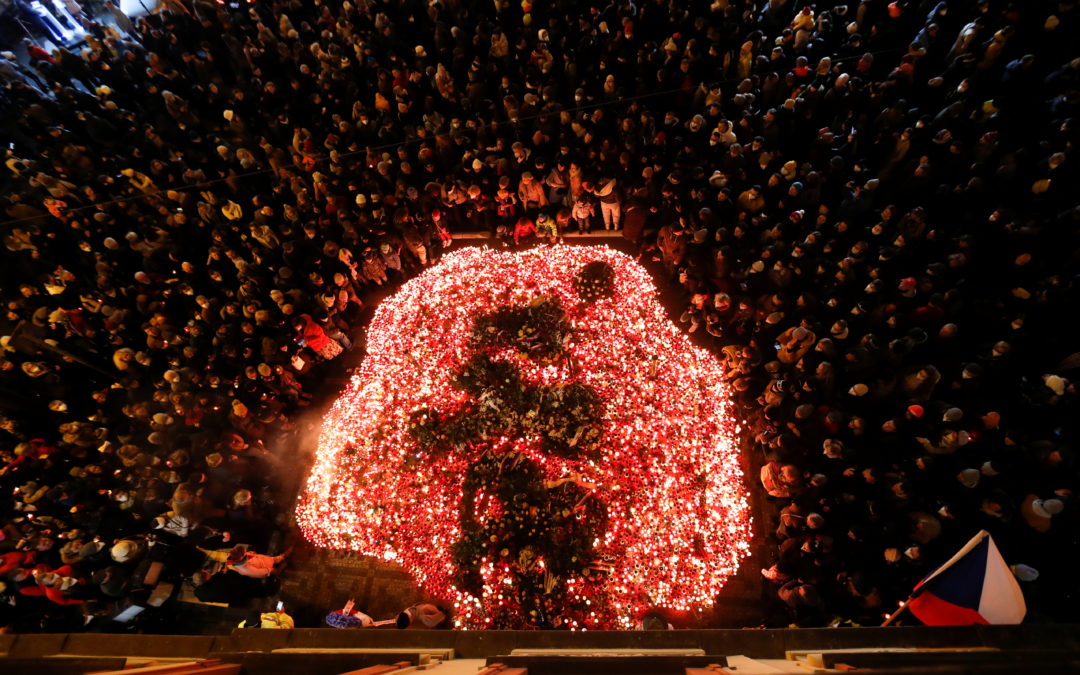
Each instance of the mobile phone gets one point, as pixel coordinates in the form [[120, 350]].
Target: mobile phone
[[280, 605]]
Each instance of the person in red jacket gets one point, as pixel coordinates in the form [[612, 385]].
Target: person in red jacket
[[38, 54], [13, 560], [314, 337], [53, 584], [524, 230]]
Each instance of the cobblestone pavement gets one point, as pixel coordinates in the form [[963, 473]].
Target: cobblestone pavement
[[318, 581]]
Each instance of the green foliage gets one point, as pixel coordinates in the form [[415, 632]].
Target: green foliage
[[565, 416], [538, 330], [509, 515]]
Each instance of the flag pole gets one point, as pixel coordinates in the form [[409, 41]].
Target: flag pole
[[898, 612]]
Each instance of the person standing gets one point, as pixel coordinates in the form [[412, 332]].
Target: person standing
[[558, 182], [610, 205], [531, 193], [634, 223], [582, 213]]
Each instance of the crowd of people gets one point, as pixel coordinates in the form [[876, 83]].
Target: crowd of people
[[867, 204]]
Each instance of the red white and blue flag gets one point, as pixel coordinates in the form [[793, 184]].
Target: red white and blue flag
[[974, 587]]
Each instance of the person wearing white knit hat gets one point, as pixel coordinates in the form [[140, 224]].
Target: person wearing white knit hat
[[1047, 508], [1024, 572], [125, 550]]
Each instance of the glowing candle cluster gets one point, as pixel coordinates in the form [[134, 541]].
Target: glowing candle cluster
[[668, 474]]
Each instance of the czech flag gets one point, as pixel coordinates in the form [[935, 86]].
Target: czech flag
[[974, 587]]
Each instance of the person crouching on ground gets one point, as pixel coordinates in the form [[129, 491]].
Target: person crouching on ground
[[251, 564]]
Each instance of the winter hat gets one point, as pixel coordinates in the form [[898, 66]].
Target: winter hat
[[969, 478], [1056, 505], [179, 458], [1039, 508], [1051, 507], [953, 415], [90, 549], [915, 410], [1055, 383], [124, 550], [1024, 572], [833, 448], [859, 389]]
